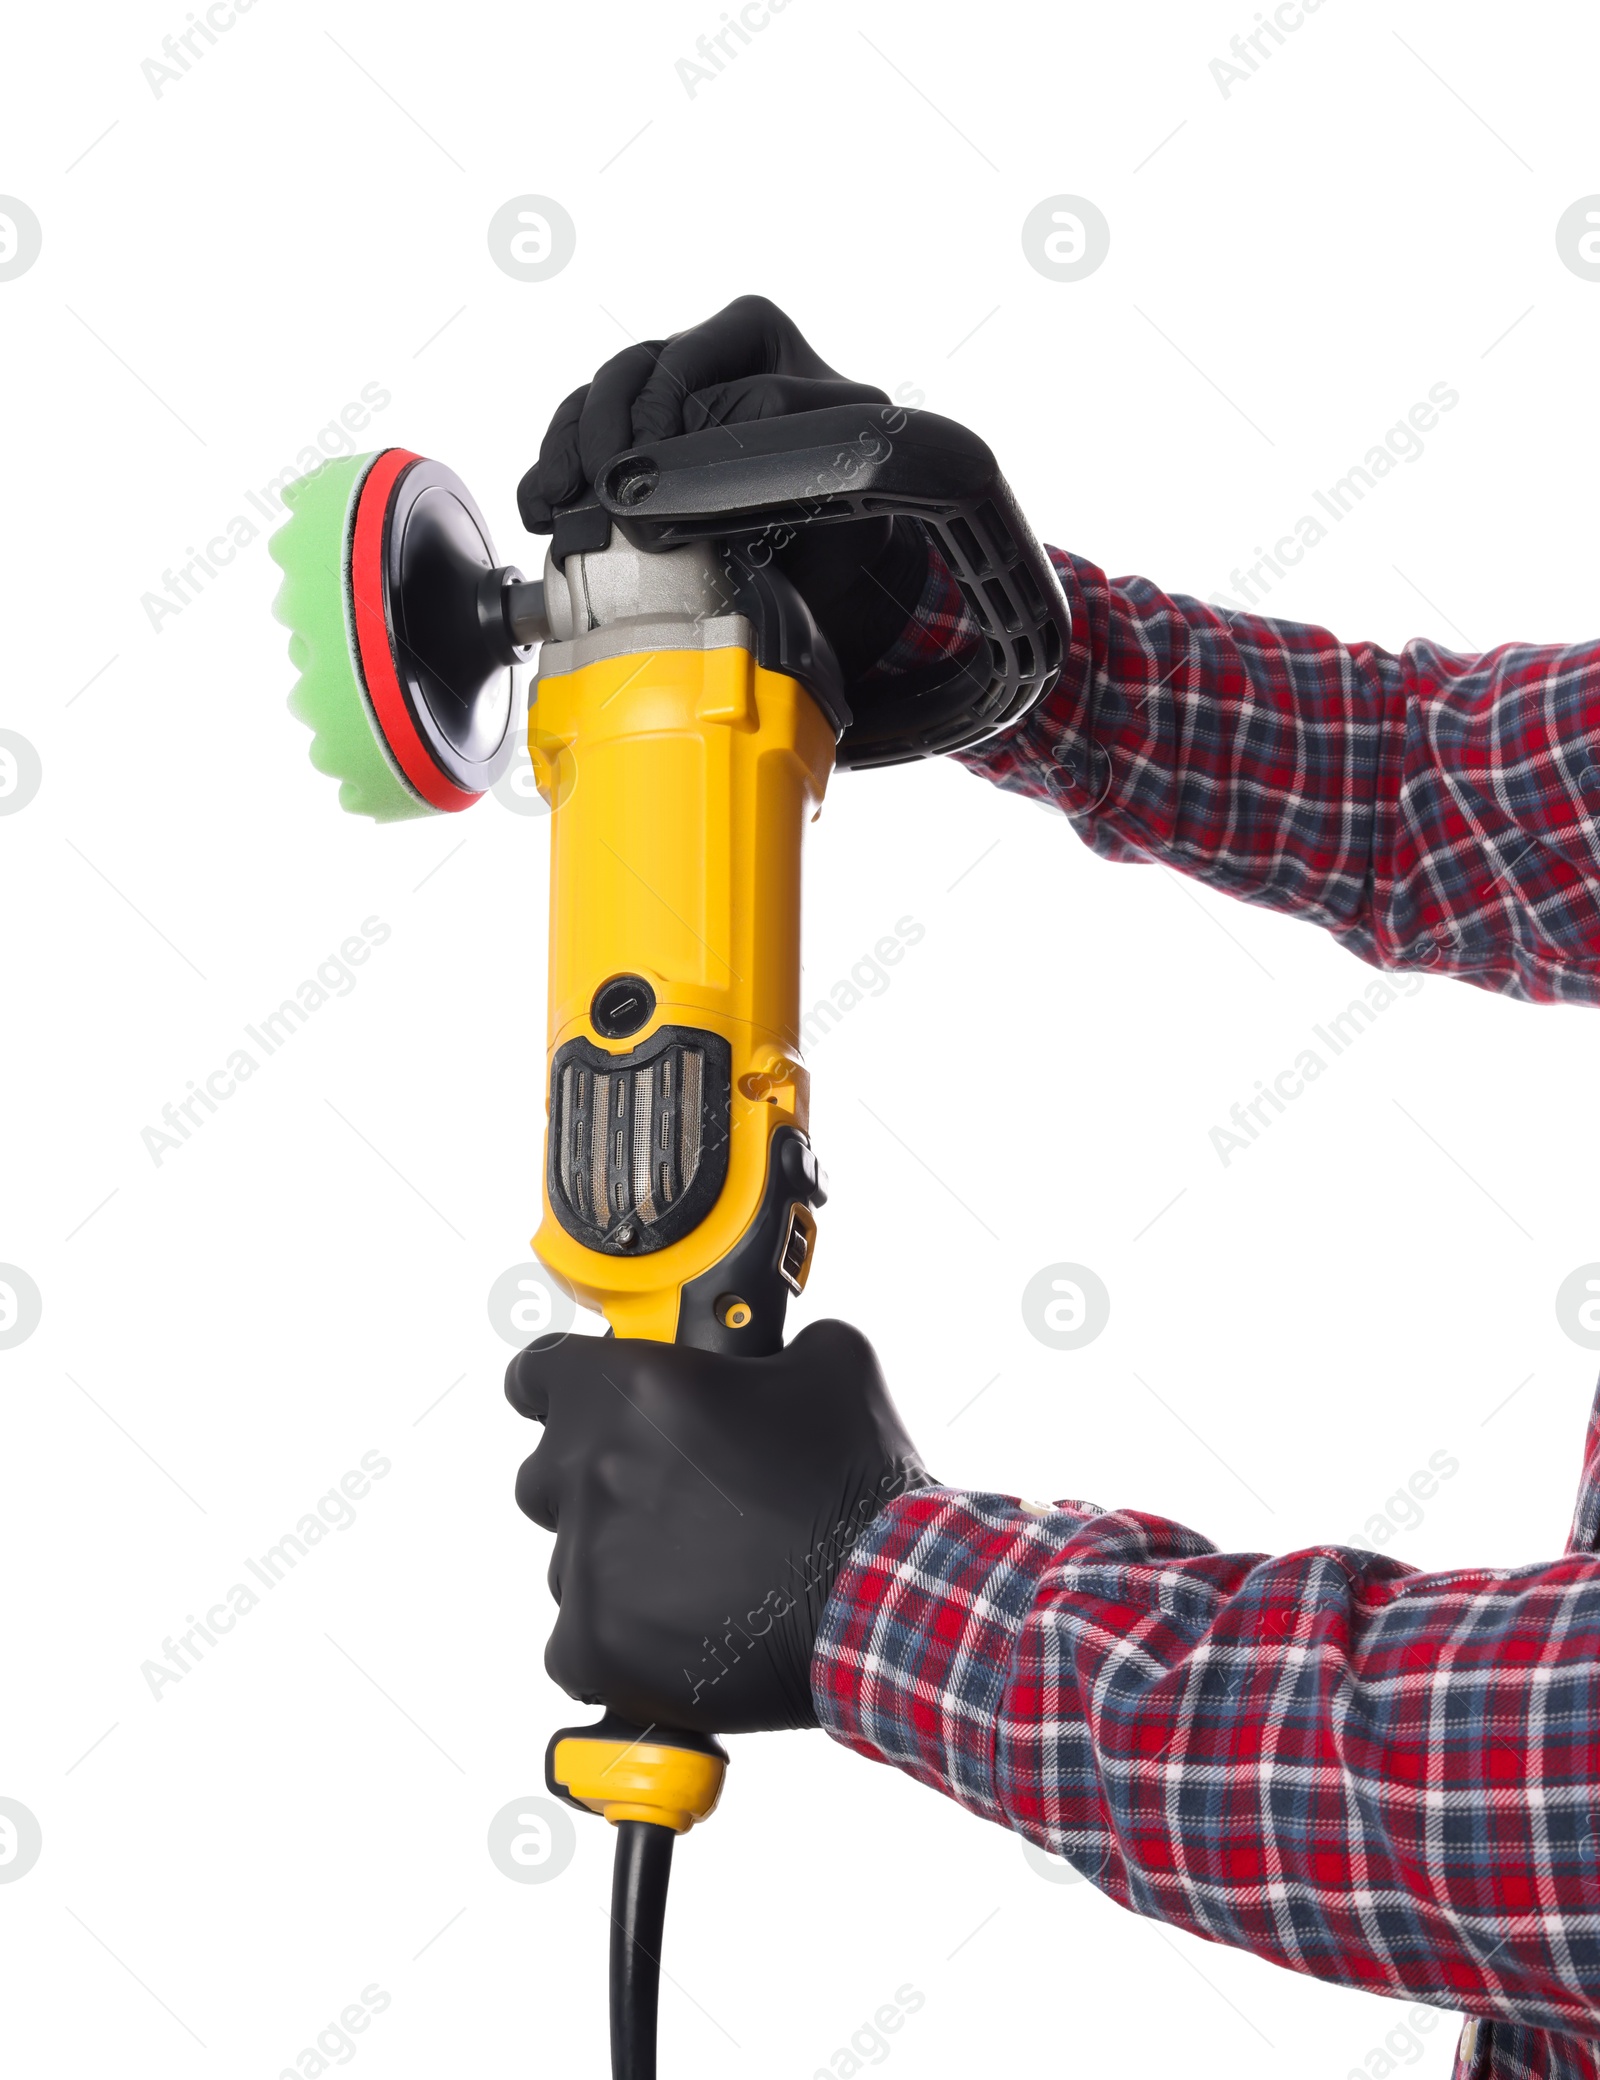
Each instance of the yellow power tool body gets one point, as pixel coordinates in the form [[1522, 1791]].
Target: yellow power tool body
[[680, 781]]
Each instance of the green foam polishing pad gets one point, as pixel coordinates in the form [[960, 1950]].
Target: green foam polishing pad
[[313, 549]]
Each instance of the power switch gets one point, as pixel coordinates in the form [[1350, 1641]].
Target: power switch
[[799, 1244]]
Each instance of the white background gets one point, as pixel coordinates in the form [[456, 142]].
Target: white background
[[225, 1334]]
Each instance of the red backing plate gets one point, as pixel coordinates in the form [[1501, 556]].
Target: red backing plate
[[372, 636]]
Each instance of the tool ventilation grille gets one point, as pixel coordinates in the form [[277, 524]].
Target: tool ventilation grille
[[638, 1142]]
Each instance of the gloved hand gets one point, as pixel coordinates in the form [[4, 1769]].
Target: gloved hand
[[860, 578], [702, 1507]]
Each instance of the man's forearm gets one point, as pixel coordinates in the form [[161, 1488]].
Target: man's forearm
[[1436, 812], [1378, 1777]]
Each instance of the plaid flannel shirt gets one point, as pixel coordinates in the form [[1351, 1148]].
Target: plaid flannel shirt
[[1434, 811], [1381, 1777]]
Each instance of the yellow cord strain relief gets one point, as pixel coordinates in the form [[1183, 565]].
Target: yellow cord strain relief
[[640, 1780]]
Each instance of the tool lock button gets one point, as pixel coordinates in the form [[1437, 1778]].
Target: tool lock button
[[621, 1006]]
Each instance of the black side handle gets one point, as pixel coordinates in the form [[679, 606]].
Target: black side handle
[[750, 486]]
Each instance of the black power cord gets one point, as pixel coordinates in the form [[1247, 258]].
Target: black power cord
[[640, 1875]]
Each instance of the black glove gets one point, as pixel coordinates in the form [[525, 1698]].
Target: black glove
[[860, 578], [702, 1507]]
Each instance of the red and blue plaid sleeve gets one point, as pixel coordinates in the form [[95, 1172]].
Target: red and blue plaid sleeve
[[1432, 810], [1379, 1777]]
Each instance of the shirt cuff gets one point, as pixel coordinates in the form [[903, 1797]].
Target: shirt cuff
[[1052, 754], [916, 1642]]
